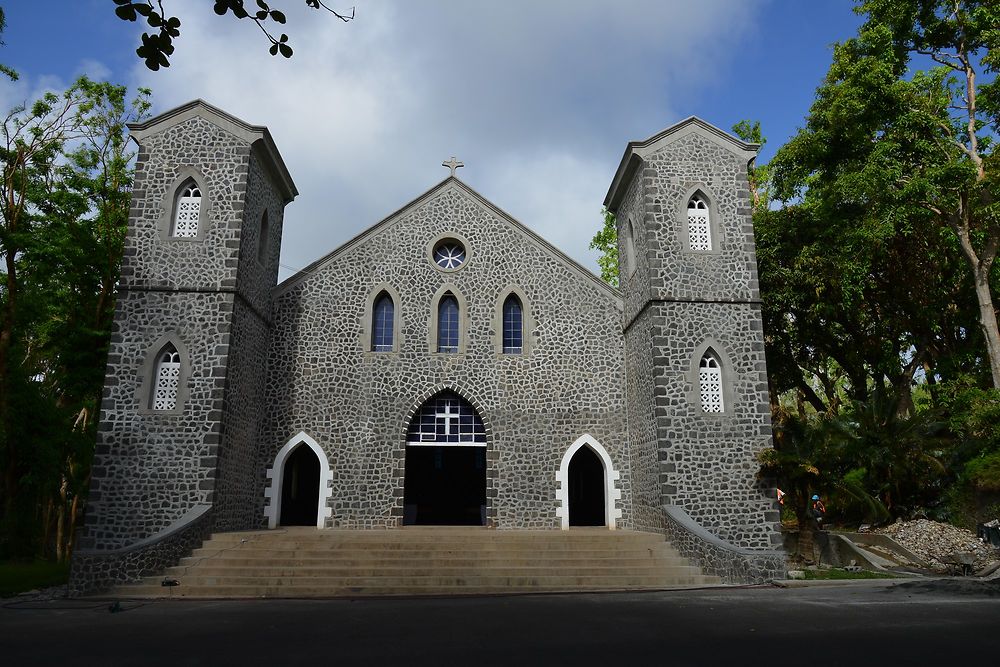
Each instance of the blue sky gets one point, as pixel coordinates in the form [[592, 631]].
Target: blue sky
[[537, 98]]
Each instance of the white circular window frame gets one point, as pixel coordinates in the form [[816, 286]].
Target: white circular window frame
[[448, 236]]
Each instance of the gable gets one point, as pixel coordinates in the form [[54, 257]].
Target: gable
[[637, 151], [479, 213], [257, 136]]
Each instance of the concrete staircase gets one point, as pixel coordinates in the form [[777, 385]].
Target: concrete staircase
[[305, 562]]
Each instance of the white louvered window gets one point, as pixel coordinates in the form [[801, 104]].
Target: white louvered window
[[699, 229], [710, 380], [187, 212], [166, 379]]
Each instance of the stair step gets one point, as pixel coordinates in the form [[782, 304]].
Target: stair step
[[306, 562], [257, 560], [157, 591], [282, 571]]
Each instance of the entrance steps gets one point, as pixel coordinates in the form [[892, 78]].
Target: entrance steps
[[305, 562]]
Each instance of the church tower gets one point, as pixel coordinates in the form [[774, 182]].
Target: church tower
[[696, 383], [177, 447]]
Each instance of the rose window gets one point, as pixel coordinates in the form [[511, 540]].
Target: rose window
[[449, 254]]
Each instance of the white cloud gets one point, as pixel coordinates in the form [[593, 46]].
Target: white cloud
[[538, 99]]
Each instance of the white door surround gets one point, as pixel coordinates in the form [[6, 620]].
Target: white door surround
[[611, 495], [272, 493]]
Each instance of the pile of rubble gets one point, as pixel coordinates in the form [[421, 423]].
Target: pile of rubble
[[939, 543]]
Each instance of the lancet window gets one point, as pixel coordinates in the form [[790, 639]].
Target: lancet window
[[448, 324], [166, 379], [187, 211], [710, 381], [513, 326], [383, 316], [699, 226]]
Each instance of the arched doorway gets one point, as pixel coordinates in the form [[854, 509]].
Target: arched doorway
[[445, 481], [586, 489], [300, 488]]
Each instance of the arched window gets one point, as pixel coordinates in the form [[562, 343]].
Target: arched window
[[446, 418], [262, 240], [632, 262], [513, 326], [166, 379], [710, 382], [187, 211], [447, 331], [699, 227], [383, 315]]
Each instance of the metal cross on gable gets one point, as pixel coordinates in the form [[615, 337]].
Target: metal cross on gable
[[453, 164]]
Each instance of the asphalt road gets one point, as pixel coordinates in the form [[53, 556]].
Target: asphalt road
[[854, 624]]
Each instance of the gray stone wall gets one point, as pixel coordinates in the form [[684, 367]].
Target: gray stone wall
[[729, 272], [218, 161], [734, 565], [356, 403], [256, 278], [151, 467], [96, 570], [709, 460], [641, 411], [677, 303], [239, 482]]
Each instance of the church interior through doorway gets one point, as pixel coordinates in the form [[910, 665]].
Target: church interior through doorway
[[445, 481], [300, 488], [586, 489]]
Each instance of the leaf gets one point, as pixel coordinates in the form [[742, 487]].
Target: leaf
[[285, 50], [126, 13], [277, 16], [273, 50], [261, 15]]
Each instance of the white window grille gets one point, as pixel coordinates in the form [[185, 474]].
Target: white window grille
[[167, 379], [187, 213], [699, 229], [710, 379]]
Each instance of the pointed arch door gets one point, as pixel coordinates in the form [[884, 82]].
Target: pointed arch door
[[445, 479]]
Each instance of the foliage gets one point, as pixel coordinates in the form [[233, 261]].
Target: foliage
[[18, 577], [4, 69], [158, 46], [606, 241], [67, 187], [758, 175], [983, 472], [838, 573]]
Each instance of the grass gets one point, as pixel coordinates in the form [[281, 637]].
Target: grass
[[18, 576], [844, 574]]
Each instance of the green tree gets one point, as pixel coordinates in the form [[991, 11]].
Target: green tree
[[67, 183], [4, 69], [158, 46], [863, 280], [948, 170], [606, 241]]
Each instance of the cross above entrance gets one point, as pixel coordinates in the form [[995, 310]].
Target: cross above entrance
[[453, 164], [448, 416]]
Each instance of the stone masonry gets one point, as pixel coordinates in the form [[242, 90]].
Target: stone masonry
[[266, 367], [679, 303]]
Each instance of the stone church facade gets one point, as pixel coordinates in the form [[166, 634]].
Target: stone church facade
[[446, 366]]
